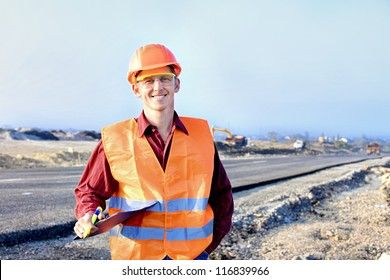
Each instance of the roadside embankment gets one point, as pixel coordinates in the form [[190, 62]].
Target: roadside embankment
[[340, 213], [37, 154]]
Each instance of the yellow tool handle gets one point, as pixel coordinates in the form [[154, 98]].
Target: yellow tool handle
[[93, 220]]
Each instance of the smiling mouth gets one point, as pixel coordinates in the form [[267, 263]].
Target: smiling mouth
[[159, 95]]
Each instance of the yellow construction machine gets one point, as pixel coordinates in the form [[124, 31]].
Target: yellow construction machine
[[231, 140]]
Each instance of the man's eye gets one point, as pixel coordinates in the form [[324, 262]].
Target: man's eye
[[148, 82], [166, 79]]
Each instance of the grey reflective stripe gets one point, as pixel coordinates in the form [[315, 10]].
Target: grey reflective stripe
[[144, 233], [117, 218], [138, 233], [190, 233], [132, 205], [181, 204], [187, 204]]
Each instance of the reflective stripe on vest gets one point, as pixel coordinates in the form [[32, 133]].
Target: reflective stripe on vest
[[180, 224], [180, 204], [143, 233]]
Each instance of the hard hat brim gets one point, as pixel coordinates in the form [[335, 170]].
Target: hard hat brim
[[131, 75]]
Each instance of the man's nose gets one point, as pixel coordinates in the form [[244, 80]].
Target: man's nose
[[156, 84]]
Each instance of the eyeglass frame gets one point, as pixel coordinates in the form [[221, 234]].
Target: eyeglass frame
[[152, 79]]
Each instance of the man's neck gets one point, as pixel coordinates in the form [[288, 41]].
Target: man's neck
[[163, 120]]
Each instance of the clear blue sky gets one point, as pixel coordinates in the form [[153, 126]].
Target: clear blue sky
[[251, 66]]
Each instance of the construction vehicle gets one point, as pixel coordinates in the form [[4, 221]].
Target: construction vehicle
[[299, 144], [231, 140], [373, 148]]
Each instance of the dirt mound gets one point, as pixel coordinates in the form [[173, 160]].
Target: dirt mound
[[7, 162], [27, 134], [46, 135], [30, 154], [63, 158], [348, 218], [384, 176]]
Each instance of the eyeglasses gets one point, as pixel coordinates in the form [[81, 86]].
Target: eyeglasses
[[165, 80]]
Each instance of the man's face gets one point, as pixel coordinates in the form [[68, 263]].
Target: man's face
[[157, 92]]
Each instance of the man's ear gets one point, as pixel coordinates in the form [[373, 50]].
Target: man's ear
[[177, 84], [135, 90]]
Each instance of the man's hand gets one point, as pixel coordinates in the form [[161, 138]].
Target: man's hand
[[84, 226]]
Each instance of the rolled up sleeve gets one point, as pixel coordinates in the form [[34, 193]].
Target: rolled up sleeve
[[96, 184]]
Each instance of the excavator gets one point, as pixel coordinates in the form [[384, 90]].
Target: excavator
[[373, 148], [232, 140]]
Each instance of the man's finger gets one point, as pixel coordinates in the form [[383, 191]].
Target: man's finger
[[77, 231], [101, 216], [86, 232]]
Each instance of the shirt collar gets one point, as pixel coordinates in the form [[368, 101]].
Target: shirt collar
[[144, 124]]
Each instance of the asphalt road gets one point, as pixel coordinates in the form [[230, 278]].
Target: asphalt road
[[35, 198], [249, 171], [40, 198]]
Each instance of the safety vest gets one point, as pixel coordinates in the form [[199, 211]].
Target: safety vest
[[180, 224]]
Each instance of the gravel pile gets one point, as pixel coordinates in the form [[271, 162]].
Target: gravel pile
[[315, 218]]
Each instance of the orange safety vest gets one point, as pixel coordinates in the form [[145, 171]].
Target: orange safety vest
[[180, 224]]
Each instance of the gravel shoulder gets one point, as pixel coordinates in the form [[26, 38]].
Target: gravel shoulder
[[341, 213], [353, 225]]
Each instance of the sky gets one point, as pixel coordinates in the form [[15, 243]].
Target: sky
[[314, 67]]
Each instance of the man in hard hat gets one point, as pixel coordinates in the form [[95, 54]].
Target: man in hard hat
[[162, 158]]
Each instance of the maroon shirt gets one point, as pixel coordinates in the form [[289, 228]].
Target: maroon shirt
[[97, 184]]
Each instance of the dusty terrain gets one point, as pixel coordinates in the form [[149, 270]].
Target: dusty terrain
[[339, 213], [30, 154], [315, 217], [48, 153]]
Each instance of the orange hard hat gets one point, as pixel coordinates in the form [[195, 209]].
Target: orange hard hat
[[149, 57]]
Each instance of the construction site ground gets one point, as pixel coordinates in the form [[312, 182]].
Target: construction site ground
[[32, 154], [339, 213]]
